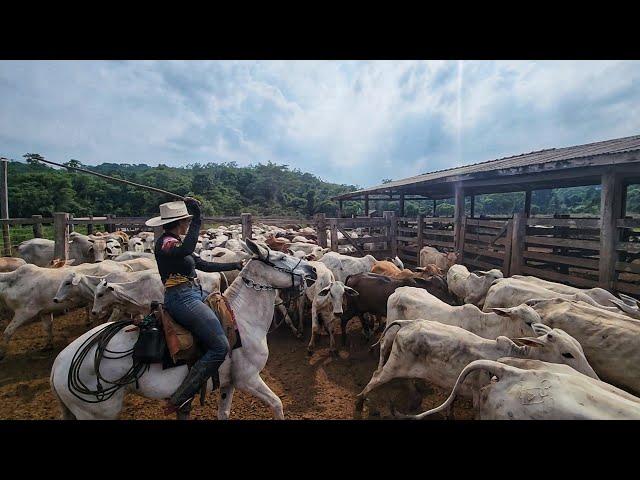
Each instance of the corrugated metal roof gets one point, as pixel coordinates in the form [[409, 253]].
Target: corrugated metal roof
[[617, 145]]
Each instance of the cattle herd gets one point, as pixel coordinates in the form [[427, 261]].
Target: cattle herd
[[519, 347]]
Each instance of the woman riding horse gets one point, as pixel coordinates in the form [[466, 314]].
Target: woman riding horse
[[183, 299]]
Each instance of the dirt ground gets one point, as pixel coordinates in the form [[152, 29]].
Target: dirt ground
[[311, 387]]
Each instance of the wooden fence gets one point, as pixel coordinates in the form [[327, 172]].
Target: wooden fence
[[566, 250]]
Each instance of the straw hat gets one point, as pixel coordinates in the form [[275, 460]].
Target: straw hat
[[169, 212]]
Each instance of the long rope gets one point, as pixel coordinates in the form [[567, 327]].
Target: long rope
[[114, 179], [100, 340]]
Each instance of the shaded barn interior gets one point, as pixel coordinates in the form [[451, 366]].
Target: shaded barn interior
[[580, 250]]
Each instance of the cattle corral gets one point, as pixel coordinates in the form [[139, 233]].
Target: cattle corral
[[541, 264]]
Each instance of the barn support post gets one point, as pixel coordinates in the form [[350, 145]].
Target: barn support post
[[366, 205], [610, 210], [435, 204], [37, 226], [473, 206], [458, 216], [340, 211], [518, 232], [4, 200], [61, 235], [527, 203], [321, 228], [463, 228], [333, 226], [401, 209], [247, 231], [392, 232], [420, 237], [506, 264]]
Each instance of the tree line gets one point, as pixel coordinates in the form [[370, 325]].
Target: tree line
[[227, 189]]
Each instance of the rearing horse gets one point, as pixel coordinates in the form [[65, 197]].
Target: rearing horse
[[251, 297]]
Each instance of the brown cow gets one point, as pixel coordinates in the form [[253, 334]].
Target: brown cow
[[374, 291], [9, 264], [389, 269], [278, 244]]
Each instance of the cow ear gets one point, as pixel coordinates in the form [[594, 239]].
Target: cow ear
[[324, 292], [529, 341], [350, 291], [503, 312], [541, 329], [90, 249]]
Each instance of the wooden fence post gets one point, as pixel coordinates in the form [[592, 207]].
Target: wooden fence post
[[458, 215], [321, 229], [420, 237], [506, 264], [90, 226], [37, 226], [71, 227], [333, 226], [518, 233], [463, 228], [110, 227], [392, 232], [610, 207], [246, 226], [4, 200], [61, 235]]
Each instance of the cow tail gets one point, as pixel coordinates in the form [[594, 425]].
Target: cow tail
[[495, 368]]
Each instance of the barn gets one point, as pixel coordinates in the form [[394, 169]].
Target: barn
[[585, 252]]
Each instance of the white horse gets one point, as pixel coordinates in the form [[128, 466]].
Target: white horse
[[251, 297]]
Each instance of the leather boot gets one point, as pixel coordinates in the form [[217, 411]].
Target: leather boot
[[198, 375]]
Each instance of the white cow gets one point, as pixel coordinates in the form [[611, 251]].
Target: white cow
[[342, 265], [471, 287], [126, 256], [611, 341], [509, 292], [309, 249], [599, 295], [29, 290], [133, 297], [327, 301], [437, 353], [524, 389], [409, 303], [82, 249], [431, 256], [136, 244]]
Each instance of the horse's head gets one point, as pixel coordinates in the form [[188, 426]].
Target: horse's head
[[276, 269]]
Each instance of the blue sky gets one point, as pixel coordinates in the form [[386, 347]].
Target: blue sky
[[347, 122]]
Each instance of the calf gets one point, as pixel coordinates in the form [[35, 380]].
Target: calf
[[385, 267], [133, 297], [343, 265], [431, 256], [437, 353], [524, 389], [471, 287], [374, 291]]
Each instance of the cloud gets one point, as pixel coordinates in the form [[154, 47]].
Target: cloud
[[348, 122]]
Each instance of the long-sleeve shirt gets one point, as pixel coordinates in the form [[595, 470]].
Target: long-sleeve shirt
[[176, 260]]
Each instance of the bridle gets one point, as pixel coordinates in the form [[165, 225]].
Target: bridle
[[261, 287]]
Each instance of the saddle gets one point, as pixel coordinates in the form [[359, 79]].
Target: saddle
[[181, 345]]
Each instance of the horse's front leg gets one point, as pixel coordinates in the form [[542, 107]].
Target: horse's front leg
[[256, 386], [224, 405]]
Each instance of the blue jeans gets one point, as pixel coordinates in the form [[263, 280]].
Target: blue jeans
[[185, 304]]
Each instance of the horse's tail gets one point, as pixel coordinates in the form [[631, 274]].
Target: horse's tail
[[66, 414]]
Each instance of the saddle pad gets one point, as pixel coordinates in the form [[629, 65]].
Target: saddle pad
[[222, 309]]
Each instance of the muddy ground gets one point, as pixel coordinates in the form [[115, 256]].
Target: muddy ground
[[311, 387]]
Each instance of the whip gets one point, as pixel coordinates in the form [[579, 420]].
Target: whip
[[114, 179]]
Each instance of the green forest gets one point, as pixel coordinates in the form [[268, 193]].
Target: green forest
[[228, 189]]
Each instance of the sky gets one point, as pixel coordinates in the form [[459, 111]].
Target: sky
[[352, 122]]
